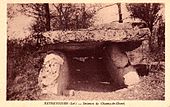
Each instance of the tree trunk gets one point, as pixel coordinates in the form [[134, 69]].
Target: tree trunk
[[83, 16], [150, 37], [159, 38], [47, 16], [120, 13], [77, 22], [60, 16]]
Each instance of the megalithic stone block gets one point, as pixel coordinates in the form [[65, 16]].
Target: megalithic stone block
[[118, 57], [119, 67], [115, 60], [54, 75]]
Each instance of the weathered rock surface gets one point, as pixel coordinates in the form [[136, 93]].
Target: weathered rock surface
[[53, 77], [114, 35], [140, 55], [118, 65], [120, 38], [131, 76], [118, 57]]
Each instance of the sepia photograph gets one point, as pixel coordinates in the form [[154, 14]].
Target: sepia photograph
[[85, 51]]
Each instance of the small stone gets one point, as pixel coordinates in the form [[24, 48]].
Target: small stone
[[44, 91], [131, 77], [69, 93], [77, 69]]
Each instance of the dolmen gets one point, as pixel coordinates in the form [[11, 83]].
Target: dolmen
[[113, 42]]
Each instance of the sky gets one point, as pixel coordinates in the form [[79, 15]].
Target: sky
[[109, 14], [19, 25]]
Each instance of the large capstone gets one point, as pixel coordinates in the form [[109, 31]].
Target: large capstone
[[53, 77], [97, 34]]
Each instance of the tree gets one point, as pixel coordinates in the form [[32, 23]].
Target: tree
[[120, 13], [161, 33], [58, 16], [11, 12], [41, 13], [72, 16], [146, 12], [47, 16]]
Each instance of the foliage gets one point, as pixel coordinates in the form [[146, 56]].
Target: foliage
[[40, 11], [62, 16], [72, 16], [22, 71], [147, 12], [48, 17]]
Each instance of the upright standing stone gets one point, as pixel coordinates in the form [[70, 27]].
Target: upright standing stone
[[119, 67], [54, 76]]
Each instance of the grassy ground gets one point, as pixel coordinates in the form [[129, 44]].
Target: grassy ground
[[89, 79]]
